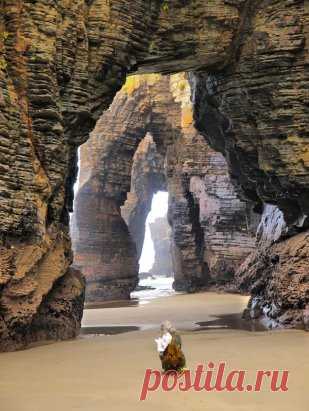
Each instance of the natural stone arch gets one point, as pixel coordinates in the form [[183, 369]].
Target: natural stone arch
[[113, 273], [163, 108], [100, 236], [147, 178], [64, 61]]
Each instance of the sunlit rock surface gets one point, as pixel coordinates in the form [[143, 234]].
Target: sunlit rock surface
[[272, 226]]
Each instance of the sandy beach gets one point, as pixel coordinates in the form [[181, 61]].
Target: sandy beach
[[94, 373]]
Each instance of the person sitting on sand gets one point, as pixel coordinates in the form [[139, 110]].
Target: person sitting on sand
[[169, 347]]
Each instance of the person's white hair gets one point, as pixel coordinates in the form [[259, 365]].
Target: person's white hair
[[167, 326]]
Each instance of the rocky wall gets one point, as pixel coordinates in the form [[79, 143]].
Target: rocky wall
[[147, 177], [255, 111], [61, 64], [212, 229]]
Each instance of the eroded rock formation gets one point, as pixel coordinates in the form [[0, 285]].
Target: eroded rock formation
[[255, 111], [61, 63], [213, 229], [277, 278], [147, 177], [161, 238], [211, 226]]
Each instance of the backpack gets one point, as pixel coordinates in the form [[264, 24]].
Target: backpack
[[173, 357]]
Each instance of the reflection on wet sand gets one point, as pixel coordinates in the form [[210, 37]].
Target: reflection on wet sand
[[95, 372], [112, 304], [109, 330], [231, 322]]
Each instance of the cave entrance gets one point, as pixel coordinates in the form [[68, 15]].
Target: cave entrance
[[140, 147], [144, 144], [156, 274]]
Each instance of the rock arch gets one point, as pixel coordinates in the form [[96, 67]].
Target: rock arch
[[60, 67], [147, 178], [197, 181]]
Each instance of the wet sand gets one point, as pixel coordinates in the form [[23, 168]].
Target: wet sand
[[105, 372], [184, 310]]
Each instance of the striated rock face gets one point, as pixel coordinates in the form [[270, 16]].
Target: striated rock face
[[161, 237], [57, 74], [103, 246], [277, 278], [52, 314], [61, 64], [106, 248], [276, 274], [272, 226], [228, 223], [205, 203], [211, 226], [147, 177], [255, 111], [103, 249]]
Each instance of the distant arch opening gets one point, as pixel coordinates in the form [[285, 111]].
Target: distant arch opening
[[143, 144], [156, 274], [156, 224]]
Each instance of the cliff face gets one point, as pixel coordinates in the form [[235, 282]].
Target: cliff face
[[106, 247], [210, 224], [255, 112], [147, 177], [213, 229], [161, 238], [277, 278], [61, 64]]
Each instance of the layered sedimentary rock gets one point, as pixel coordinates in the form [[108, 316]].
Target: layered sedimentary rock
[[106, 247], [61, 63], [161, 238], [211, 226], [277, 278], [147, 177], [255, 111], [228, 223], [103, 246], [57, 74], [223, 226], [276, 274]]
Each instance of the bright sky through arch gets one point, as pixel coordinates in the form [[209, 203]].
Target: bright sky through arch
[[159, 208]]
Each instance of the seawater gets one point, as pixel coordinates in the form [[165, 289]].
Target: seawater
[[161, 287]]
